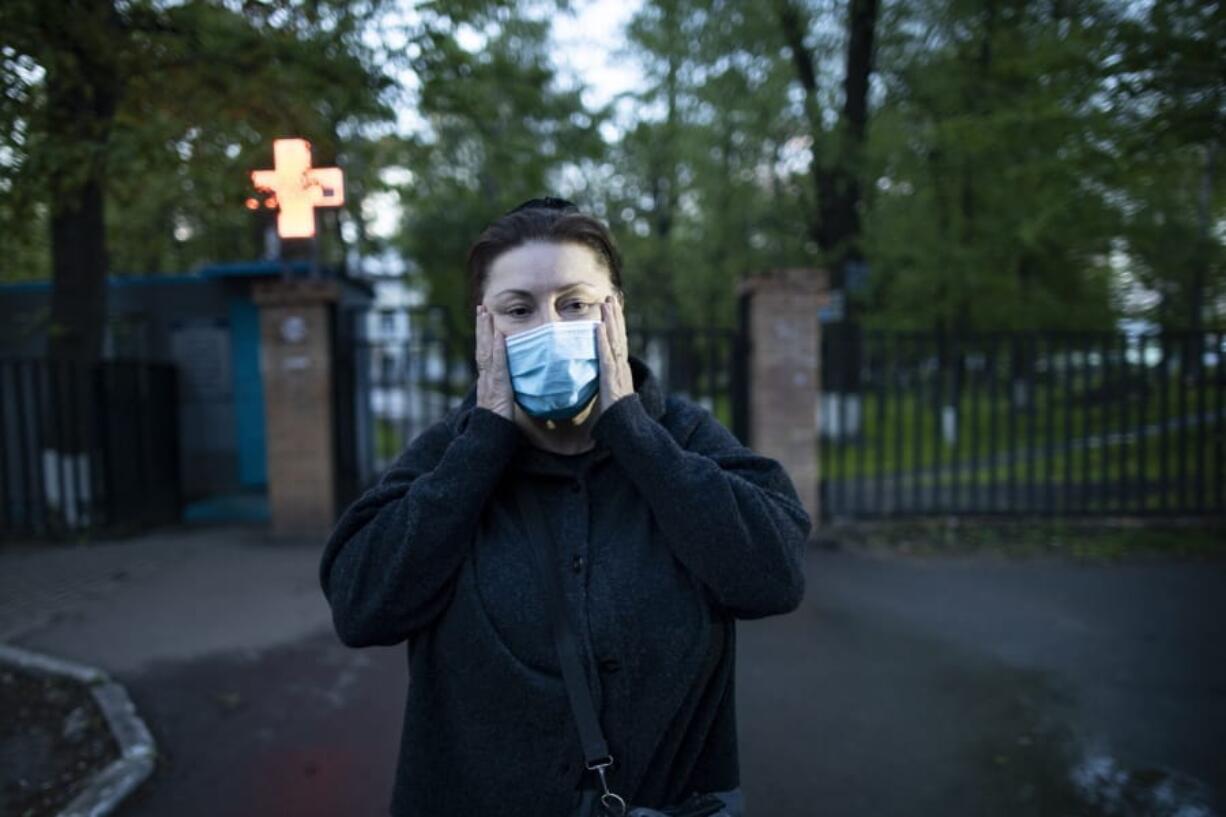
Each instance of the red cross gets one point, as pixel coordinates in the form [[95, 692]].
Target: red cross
[[297, 187]]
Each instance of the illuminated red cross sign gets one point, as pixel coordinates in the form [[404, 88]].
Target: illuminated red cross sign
[[297, 188]]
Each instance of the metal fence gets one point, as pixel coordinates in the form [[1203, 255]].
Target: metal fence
[[393, 381], [708, 366], [1049, 423], [391, 384], [87, 450]]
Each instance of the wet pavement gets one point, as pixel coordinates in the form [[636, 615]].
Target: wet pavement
[[303, 730], [902, 686], [987, 687]]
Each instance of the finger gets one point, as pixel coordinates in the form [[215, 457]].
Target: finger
[[619, 321], [603, 345], [483, 338], [616, 344], [610, 327], [499, 359], [616, 330], [491, 335], [606, 321], [621, 318]]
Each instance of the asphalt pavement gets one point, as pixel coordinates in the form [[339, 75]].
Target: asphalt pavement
[[902, 686]]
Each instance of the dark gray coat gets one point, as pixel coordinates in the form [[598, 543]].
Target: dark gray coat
[[666, 543]]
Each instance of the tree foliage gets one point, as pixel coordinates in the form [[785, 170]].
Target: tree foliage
[[127, 130], [993, 206], [1170, 91], [497, 131], [1025, 164], [703, 189], [995, 163]]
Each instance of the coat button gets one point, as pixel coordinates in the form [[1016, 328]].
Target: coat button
[[609, 664], [576, 564]]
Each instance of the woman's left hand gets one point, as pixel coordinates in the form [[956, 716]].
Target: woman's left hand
[[616, 379]]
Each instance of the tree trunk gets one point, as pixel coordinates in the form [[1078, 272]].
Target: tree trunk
[[837, 173], [79, 269], [665, 186], [82, 88], [82, 93]]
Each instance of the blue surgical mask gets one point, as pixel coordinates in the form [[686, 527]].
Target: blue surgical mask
[[554, 368]]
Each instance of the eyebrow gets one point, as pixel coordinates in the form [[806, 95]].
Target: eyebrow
[[565, 289]]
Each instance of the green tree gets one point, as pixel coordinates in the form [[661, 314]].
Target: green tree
[[1017, 152], [1169, 86], [126, 130], [838, 141], [498, 130], [993, 157], [707, 185]]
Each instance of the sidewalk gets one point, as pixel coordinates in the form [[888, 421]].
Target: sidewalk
[[224, 641], [170, 594]]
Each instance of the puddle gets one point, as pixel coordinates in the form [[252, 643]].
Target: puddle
[[1038, 765], [1115, 791]]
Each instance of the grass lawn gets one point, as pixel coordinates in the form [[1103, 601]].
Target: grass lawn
[[1093, 540]]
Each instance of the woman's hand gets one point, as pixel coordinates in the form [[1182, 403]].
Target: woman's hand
[[494, 390], [616, 379]]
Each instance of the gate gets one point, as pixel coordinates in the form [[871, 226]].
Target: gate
[[87, 450], [398, 372], [1048, 423]]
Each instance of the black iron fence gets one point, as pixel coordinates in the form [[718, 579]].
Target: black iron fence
[[87, 450], [399, 373], [1023, 423], [708, 366], [393, 380]]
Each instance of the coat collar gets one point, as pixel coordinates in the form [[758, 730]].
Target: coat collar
[[532, 459]]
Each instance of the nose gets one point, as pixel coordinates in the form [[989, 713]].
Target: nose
[[548, 314]]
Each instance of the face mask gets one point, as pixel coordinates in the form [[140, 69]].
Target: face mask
[[554, 368]]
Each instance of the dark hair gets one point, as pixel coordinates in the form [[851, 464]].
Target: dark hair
[[544, 219]]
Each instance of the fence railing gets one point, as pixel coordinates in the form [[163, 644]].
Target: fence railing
[[394, 381], [706, 365], [87, 450], [1023, 423]]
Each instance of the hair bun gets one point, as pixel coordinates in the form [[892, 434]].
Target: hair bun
[[545, 203]]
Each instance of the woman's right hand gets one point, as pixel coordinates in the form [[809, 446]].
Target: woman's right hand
[[494, 390]]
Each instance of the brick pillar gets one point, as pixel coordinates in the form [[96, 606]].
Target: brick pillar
[[784, 337], [296, 370]]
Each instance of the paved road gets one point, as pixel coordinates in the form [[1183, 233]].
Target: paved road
[[901, 687], [985, 687]]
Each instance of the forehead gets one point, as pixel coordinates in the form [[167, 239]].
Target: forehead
[[541, 267]]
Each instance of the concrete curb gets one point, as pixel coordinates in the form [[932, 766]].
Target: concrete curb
[[136, 747]]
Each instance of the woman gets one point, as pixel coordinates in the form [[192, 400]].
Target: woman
[[670, 529]]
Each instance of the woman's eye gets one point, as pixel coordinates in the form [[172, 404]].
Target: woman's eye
[[522, 311]]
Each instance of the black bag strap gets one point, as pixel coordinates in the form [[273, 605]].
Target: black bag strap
[[544, 551]]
